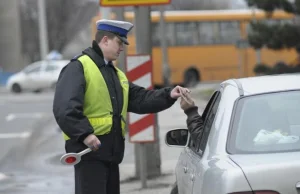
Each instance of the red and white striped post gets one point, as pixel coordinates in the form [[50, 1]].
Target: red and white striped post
[[139, 72], [141, 126]]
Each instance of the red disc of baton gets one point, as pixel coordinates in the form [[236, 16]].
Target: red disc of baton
[[70, 159]]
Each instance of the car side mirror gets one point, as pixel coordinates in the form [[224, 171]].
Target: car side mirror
[[177, 138]]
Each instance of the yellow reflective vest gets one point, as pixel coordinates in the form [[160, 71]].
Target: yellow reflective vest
[[97, 106]]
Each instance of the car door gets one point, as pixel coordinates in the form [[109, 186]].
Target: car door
[[198, 162], [187, 163], [184, 170], [32, 77]]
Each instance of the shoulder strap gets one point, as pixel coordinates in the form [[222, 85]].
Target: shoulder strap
[[76, 57]]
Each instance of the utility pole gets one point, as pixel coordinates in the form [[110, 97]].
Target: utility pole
[[150, 152], [122, 57], [43, 29], [166, 68]]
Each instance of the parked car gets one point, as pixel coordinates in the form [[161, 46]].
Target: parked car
[[250, 142], [36, 77]]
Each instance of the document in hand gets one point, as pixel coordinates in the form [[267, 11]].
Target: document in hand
[[186, 96]]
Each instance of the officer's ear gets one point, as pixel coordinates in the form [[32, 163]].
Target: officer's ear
[[105, 40]]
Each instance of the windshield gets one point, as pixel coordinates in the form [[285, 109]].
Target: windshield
[[35, 67], [266, 123]]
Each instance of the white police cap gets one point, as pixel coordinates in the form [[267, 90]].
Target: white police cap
[[120, 28]]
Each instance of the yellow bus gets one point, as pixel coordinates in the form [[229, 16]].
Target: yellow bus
[[202, 45]]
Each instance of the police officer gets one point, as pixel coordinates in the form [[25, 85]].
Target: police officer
[[90, 105]]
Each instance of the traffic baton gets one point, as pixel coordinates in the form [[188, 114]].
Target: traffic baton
[[74, 158]]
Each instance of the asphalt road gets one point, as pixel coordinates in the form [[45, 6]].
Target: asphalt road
[[29, 139], [19, 115], [31, 145]]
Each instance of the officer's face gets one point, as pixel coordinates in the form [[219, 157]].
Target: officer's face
[[114, 47]]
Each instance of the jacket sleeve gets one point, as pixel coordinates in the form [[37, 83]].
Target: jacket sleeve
[[68, 102], [142, 101], [195, 123]]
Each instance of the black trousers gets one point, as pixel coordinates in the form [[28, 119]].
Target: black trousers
[[97, 177]]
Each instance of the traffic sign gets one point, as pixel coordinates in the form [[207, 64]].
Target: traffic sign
[[139, 72], [111, 3]]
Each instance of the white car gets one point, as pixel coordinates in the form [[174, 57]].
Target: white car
[[249, 142], [36, 77]]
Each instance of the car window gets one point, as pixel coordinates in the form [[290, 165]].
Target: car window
[[195, 145], [211, 113], [51, 67], [209, 104], [32, 69], [266, 123]]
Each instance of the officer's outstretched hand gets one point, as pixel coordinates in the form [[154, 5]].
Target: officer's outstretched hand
[[92, 142], [178, 91]]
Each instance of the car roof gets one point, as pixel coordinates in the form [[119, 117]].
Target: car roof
[[55, 62], [60, 62], [266, 84]]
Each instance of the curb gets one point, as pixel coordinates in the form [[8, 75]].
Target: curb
[[160, 185], [127, 171]]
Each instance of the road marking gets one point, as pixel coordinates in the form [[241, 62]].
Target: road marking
[[22, 135], [10, 117], [2, 176], [13, 116]]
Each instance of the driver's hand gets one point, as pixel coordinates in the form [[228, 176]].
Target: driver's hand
[[186, 101]]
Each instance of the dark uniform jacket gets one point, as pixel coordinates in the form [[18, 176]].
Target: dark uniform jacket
[[68, 107]]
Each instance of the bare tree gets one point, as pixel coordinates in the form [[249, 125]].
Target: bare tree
[[29, 29], [69, 17], [64, 20]]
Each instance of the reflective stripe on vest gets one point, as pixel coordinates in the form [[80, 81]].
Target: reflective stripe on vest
[[97, 106]]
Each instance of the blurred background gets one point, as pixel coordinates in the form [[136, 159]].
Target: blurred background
[[205, 40]]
